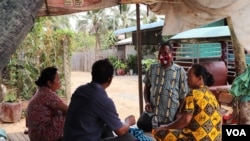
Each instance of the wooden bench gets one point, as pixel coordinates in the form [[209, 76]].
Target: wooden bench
[[18, 136]]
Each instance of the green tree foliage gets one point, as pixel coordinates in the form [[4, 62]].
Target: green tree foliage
[[101, 23], [41, 48], [83, 41], [132, 62], [146, 64], [110, 40], [95, 23], [125, 15]]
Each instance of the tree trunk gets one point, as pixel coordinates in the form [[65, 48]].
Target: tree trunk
[[241, 108], [2, 92], [16, 19], [97, 46], [239, 53]]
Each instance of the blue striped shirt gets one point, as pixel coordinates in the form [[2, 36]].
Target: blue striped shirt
[[167, 87]]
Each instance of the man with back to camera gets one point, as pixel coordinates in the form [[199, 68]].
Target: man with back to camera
[[164, 90], [92, 115]]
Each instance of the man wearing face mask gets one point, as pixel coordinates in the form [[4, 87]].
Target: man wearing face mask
[[165, 87]]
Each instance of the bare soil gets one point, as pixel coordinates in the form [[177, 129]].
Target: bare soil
[[123, 91]]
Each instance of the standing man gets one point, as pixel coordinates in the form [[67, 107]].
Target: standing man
[[165, 87], [92, 115]]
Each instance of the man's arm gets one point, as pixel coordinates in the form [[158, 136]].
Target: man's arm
[[148, 106], [183, 91], [180, 109], [147, 93], [130, 120], [180, 123]]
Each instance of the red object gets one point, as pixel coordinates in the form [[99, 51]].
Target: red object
[[229, 119]]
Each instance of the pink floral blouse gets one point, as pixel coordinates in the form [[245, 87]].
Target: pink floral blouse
[[43, 120]]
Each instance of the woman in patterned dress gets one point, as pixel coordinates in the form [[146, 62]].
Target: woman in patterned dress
[[200, 118], [46, 111]]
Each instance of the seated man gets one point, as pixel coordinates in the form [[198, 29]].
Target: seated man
[[92, 115]]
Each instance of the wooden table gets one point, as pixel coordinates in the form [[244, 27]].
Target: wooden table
[[20, 136]]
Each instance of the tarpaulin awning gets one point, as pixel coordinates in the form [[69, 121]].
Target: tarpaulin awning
[[63, 7], [182, 15]]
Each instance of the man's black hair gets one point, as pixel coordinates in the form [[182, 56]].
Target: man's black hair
[[162, 44], [102, 71]]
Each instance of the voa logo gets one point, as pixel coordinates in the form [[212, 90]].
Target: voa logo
[[236, 132]]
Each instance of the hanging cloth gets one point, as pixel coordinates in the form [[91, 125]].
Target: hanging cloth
[[241, 86]]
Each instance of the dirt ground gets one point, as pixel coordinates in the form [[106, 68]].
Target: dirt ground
[[123, 91]]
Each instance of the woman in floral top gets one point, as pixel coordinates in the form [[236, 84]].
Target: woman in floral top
[[200, 118], [46, 111]]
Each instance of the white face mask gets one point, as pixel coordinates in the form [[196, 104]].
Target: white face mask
[[163, 60]]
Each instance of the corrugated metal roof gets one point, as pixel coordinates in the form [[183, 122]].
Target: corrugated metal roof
[[208, 32], [144, 26], [125, 41]]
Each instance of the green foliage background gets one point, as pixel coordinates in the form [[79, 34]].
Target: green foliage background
[[41, 48]]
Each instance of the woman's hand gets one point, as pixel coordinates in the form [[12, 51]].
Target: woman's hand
[[161, 127], [178, 115]]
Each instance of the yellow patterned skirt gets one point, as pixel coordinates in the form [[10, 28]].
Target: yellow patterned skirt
[[169, 135]]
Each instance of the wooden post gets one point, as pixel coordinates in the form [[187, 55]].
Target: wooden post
[[139, 56]]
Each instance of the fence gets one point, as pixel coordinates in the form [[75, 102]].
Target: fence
[[82, 61]]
